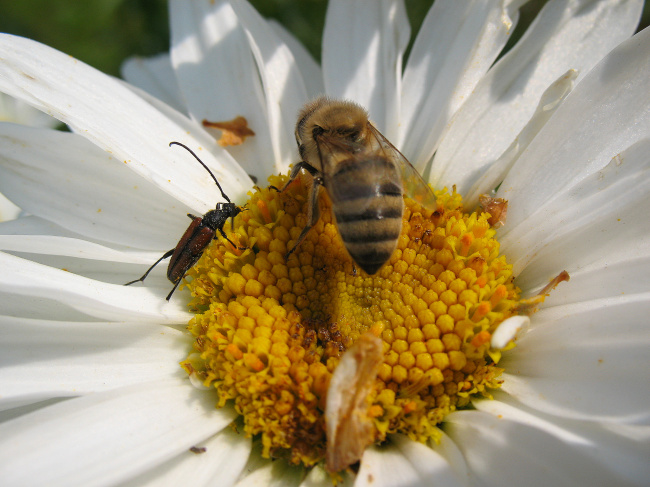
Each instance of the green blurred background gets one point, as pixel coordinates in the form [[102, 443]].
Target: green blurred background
[[103, 33]]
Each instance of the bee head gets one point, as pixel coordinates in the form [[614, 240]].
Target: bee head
[[327, 118]]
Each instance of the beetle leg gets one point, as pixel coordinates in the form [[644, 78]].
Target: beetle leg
[[144, 276], [173, 289], [313, 213], [192, 217]]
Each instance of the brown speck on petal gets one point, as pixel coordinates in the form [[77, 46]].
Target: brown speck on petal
[[349, 429], [496, 207], [234, 131]]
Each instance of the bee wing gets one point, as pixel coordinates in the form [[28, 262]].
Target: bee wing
[[415, 187]]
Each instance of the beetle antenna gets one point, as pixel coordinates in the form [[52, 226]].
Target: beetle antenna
[[203, 164]]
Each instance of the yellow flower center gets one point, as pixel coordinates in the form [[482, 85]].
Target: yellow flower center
[[270, 332]]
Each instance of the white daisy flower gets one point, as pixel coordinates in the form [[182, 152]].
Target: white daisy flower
[[90, 387]]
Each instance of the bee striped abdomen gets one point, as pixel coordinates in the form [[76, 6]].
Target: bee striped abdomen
[[368, 206]]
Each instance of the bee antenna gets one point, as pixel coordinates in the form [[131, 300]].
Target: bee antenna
[[203, 164]]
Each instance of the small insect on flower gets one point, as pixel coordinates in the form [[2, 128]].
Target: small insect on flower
[[197, 236], [364, 175]]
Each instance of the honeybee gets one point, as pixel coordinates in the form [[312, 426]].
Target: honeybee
[[364, 175]]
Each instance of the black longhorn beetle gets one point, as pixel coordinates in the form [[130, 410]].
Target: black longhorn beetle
[[197, 236]]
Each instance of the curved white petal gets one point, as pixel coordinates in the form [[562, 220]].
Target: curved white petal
[[94, 298], [363, 44], [218, 76], [276, 474], [620, 454], [156, 76], [496, 172], [113, 117], [21, 410], [13, 110], [584, 221], [46, 359], [310, 70], [404, 462], [587, 361], [612, 278], [108, 437], [606, 113], [33, 225], [565, 35], [512, 446], [71, 247], [284, 88], [64, 178], [8, 210], [509, 330], [456, 45], [219, 465], [318, 477]]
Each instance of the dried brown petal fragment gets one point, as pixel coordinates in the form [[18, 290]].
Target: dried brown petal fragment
[[496, 207], [349, 429], [529, 306], [233, 131]]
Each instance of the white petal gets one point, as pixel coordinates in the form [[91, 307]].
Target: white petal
[[114, 118], [8, 210], [363, 44], [509, 446], [496, 172], [586, 361], [13, 413], [276, 474], [565, 35], [218, 76], [219, 465], [108, 437], [41, 360], [404, 462], [318, 477], [310, 70], [33, 225], [156, 76], [612, 278], [584, 221], [64, 178], [620, 455], [71, 247], [13, 110], [96, 299], [284, 88], [456, 45], [508, 330], [606, 113]]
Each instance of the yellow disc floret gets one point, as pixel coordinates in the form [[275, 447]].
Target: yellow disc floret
[[269, 330]]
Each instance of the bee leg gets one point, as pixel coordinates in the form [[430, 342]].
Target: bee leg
[[144, 276], [312, 216], [296, 169]]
